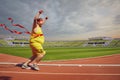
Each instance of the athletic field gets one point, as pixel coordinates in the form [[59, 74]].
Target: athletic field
[[62, 53]]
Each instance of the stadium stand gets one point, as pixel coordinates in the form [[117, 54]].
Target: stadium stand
[[13, 42], [91, 42], [99, 41]]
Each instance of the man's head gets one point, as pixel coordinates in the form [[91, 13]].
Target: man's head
[[40, 21]]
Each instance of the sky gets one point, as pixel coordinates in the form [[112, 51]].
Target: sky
[[67, 19]]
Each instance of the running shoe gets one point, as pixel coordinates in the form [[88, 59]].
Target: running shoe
[[24, 66], [35, 67]]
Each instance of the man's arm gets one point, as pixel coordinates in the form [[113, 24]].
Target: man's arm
[[38, 14], [36, 17]]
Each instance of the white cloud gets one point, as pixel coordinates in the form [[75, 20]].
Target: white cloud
[[67, 19]]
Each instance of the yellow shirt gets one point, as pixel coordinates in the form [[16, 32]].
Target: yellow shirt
[[39, 38], [37, 30]]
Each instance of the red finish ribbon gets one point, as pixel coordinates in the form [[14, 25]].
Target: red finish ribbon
[[16, 25]]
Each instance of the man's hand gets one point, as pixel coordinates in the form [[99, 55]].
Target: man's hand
[[46, 18], [41, 11]]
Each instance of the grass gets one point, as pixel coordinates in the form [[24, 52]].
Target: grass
[[62, 53]]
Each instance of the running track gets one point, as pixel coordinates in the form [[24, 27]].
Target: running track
[[100, 68]]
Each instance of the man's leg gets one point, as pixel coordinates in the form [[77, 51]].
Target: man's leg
[[39, 57], [31, 59]]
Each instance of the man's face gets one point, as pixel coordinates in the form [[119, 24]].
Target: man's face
[[40, 22]]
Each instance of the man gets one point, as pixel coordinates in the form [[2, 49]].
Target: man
[[36, 41]]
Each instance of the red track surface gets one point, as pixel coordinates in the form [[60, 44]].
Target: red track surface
[[12, 72]]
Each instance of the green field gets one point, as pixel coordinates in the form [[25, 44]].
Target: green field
[[62, 53]]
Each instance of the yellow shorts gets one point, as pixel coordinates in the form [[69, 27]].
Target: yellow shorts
[[37, 48], [36, 45]]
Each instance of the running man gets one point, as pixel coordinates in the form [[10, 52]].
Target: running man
[[36, 41]]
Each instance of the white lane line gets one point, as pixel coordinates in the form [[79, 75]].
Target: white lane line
[[69, 65], [80, 65], [49, 73]]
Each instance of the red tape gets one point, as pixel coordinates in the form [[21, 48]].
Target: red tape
[[16, 25]]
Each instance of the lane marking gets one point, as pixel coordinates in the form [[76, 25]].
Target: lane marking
[[69, 65], [49, 73]]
